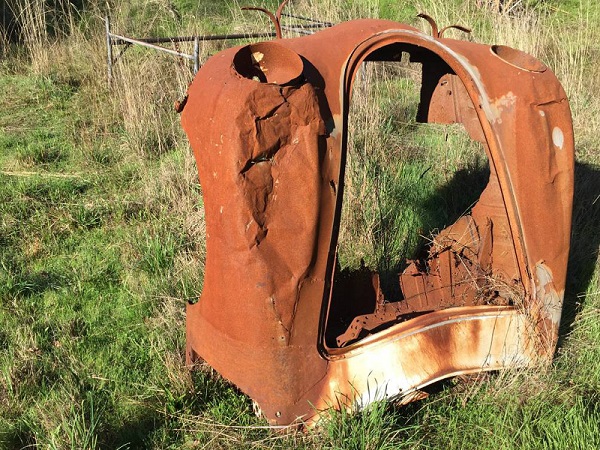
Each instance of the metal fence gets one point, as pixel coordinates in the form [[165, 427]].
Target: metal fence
[[303, 25]]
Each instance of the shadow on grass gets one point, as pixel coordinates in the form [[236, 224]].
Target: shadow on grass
[[353, 293], [134, 433], [17, 437], [174, 416], [585, 240], [444, 207], [456, 198], [27, 284]]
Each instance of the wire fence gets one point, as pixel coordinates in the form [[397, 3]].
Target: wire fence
[[302, 26]]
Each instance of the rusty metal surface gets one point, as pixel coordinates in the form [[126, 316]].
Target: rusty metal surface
[[268, 126]]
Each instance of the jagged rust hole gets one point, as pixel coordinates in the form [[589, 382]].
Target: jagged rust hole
[[405, 181]]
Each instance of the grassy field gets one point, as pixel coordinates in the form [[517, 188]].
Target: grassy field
[[102, 234]]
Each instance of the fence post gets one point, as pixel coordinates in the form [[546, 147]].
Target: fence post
[[196, 54], [109, 54]]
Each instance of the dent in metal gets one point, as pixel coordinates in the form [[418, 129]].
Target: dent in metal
[[268, 126]]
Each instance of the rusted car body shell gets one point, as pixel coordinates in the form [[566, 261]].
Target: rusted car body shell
[[271, 151]]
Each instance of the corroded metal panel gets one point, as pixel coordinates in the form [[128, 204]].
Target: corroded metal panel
[[268, 126]]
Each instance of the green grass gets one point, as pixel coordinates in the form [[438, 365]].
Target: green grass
[[102, 245], [541, 420], [87, 280], [404, 179]]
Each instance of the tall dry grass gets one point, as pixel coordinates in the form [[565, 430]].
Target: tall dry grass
[[138, 111], [34, 26], [146, 83], [133, 121], [70, 44], [43, 29], [564, 39]]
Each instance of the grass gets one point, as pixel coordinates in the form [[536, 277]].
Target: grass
[[102, 231], [404, 179]]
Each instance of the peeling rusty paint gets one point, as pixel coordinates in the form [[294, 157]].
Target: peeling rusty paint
[[268, 126]]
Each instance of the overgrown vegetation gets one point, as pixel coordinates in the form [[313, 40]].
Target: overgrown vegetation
[[404, 179], [101, 233]]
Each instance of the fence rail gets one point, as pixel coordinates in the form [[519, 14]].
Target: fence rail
[[125, 42]]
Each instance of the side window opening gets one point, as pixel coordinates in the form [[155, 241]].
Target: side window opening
[[407, 243]]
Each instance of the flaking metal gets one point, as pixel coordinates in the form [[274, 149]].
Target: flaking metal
[[268, 124]]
